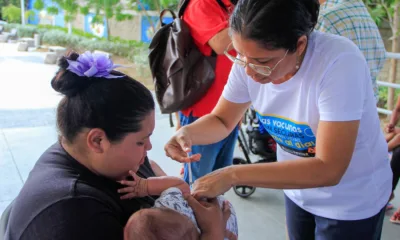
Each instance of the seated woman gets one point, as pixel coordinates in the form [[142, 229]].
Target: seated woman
[[104, 120], [393, 139]]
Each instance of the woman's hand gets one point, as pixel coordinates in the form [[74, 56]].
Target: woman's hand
[[213, 184], [136, 188], [211, 218], [389, 128], [179, 146]]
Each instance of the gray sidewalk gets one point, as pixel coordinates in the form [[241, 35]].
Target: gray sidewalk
[[27, 128]]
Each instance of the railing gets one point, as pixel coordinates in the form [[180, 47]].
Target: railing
[[387, 84]]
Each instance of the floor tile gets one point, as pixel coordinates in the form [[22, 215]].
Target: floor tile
[[3, 206], [28, 144], [11, 181]]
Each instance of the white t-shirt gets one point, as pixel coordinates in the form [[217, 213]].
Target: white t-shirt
[[333, 84]]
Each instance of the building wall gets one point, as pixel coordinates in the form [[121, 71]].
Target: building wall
[[129, 29], [138, 28]]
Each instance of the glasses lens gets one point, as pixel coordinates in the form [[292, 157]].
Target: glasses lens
[[240, 62], [264, 70]]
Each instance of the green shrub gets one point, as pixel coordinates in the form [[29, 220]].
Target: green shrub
[[26, 31], [75, 31], [60, 38], [41, 32], [9, 26], [140, 55], [383, 96], [79, 40]]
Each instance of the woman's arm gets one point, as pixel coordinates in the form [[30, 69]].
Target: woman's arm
[[220, 41], [218, 124], [157, 169], [395, 114], [335, 141], [335, 146]]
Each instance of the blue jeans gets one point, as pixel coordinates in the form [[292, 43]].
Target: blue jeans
[[304, 225], [214, 156]]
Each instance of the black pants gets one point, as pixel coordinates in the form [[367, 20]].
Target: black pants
[[395, 165], [303, 225]]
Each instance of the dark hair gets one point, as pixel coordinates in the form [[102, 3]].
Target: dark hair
[[275, 24], [116, 105]]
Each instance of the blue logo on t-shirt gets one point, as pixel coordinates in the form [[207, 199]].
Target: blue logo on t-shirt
[[293, 137]]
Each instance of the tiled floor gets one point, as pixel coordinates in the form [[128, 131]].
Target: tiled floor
[[27, 128]]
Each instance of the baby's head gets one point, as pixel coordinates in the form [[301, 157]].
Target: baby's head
[[160, 223]]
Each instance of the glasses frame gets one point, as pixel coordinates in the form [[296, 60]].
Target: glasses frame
[[267, 71]]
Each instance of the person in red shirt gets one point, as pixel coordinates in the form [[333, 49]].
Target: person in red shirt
[[208, 24]]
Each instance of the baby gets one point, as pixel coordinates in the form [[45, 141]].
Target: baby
[[171, 217]]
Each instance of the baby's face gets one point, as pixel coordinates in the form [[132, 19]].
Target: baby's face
[[165, 220]]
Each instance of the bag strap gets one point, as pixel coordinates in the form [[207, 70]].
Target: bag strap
[[182, 6], [163, 12]]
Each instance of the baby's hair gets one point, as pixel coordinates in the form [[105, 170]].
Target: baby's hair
[[150, 226]]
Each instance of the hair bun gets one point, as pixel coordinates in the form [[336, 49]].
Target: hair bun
[[66, 82]]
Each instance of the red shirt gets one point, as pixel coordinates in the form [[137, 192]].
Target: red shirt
[[206, 18]]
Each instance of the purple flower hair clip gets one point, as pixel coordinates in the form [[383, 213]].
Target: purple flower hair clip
[[93, 65]]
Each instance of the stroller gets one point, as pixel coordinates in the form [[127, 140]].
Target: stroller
[[257, 142]]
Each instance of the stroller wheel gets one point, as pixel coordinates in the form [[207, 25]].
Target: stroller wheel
[[237, 161], [244, 191]]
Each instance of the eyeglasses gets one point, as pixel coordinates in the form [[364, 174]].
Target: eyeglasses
[[263, 70]]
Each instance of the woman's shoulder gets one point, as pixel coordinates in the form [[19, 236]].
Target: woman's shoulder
[[326, 49], [331, 46], [53, 182]]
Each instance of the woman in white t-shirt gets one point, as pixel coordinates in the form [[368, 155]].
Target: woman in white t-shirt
[[312, 92]]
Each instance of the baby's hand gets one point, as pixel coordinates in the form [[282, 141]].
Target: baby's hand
[[135, 188]]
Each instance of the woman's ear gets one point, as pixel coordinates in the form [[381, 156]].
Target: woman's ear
[[301, 45], [97, 140]]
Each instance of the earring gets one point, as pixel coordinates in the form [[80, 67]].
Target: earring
[[297, 63]]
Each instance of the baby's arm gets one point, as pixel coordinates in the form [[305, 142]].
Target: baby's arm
[[157, 185], [153, 186]]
